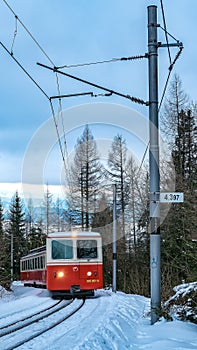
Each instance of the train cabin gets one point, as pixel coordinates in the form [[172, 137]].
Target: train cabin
[[71, 264]]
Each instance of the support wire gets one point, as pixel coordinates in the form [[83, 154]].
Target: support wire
[[104, 61], [134, 99], [166, 34], [63, 150]]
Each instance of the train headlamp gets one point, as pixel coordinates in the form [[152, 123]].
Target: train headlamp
[[89, 273], [60, 274]]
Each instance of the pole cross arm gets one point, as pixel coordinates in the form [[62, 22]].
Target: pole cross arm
[[133, 99], [178, 44]]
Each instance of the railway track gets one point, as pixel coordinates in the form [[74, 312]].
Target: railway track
[[10, 336], [18, 324]]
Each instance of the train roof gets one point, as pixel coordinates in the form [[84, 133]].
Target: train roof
[[35, 251], [73, 234]]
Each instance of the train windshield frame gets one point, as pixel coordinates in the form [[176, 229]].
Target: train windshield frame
[[61, 249], [87, 249]]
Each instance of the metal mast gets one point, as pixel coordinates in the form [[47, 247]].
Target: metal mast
[[154, 165], [114, 239]]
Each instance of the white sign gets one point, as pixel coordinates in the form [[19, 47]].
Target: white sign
[[171, 197]]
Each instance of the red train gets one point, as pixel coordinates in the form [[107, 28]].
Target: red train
[[69, 265]]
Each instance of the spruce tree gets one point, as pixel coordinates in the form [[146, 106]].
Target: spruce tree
[[4, 271], [17, 234]]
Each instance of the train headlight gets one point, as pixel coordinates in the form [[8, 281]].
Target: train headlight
[[89, 273], [60, 274]]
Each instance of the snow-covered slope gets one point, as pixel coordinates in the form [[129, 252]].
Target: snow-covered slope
[[112, 321]]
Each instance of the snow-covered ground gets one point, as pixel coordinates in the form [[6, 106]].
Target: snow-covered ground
[[112, 321]]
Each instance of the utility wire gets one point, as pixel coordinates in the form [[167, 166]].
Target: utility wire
[[24, 70], [48, 98], [29, 33], [165, 30], [104, 61], [60, 111], [59, 139], [134, 99], [169, 73], [15, 33], [63, 148], [143, 158], [17, 19], [166, 35], [172, 63]]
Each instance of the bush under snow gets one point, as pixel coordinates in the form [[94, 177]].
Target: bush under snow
[[183, 304]]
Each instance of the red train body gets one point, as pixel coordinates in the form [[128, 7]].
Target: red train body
[[70, 264]]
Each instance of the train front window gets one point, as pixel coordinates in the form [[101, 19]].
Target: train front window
[[87, 249], [62, 249]]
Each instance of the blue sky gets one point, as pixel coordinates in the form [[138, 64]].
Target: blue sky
[[81, 31]]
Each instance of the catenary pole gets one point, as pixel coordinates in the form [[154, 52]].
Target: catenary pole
[[11, 257], [154, 165], [114, 240]]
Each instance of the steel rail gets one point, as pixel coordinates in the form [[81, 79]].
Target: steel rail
[[33, 336], [23, 325], [30, 316]]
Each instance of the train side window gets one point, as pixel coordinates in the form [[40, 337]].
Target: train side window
[[87, 249], [36, 263], [31, 264], [41, 262], [62, 249]]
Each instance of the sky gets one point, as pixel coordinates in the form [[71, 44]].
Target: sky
[[77, 32], [111, 321]]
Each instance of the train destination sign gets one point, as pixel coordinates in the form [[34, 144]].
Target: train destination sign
[[171, 197]]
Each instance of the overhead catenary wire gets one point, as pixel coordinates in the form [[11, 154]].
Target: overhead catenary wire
[[28, 32], [80, 94], [59, 138], [60, 113], [165, 30], [143, 158], [45, 94], [24, 70], [104, 61], [11, 53], [166, 34], [134, 99], [168, 77], [15, 34], [63, 149], [172, 63], [170, 68]]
